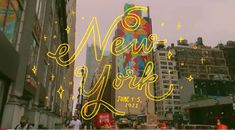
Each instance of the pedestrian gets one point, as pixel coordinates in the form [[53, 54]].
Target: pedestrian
[[221, 126], [163, 126], [75, 123], [66, 123], [107, 124], [24, 125]]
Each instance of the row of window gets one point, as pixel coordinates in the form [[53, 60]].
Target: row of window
[[10, 16], [162, 110], [11, 23], [165, 63], [168, 76]]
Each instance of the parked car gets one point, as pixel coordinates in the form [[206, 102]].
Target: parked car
[[124, 123]]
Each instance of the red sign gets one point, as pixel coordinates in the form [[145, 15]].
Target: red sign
[[103, 118]]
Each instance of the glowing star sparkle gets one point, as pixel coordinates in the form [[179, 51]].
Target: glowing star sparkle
[[60, 91], [46, 97], [45, 37], [52, 77], [34, 69], [190, 78], [181, 87], [169, 54], [178, 25], [73, 97], [67, 29], [202, 60], [70, 83], [54, 36], [73, 13], [162, 24], [181, 39], [83, 18]]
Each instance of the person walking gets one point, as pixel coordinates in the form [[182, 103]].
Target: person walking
[[75, 123], [24, 125], [221, 126]]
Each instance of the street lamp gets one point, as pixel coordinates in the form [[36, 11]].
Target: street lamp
[[81, 90]]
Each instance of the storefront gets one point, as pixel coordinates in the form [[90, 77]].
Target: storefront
[[10, 14], [9, 61], [209, 115]]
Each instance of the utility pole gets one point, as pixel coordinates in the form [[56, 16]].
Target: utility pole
[[81, 87]]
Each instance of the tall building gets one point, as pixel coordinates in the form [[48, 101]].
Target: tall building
[[106, 60], [167, 74], [229, 52], [91, 64], [107, 95], [8, 54], [132, 101], [71, 23], [201, 62], [29, 79], [204, 78]]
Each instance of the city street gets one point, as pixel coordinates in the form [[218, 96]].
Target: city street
[[120, 64]]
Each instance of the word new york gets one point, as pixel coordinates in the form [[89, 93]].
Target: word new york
[[117, 48]]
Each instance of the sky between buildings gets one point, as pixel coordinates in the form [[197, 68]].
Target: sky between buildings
[[213, 20]]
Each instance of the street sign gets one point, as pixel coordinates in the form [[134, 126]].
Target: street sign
[[233, 106]]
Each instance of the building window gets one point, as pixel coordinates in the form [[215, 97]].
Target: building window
[[163, 67], [170, 63], [162, 54], [176, 97], [176, 102], [38, 8], [34, 52], [165, 76], [166, 81], [166, 86], [163, 63], [173, 77], [10, 13], [164, 72], [174, 82], [45, 73]]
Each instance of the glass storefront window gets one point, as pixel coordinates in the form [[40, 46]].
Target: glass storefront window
[[10, 24], [10, 12], [3, 13], [16, 6]]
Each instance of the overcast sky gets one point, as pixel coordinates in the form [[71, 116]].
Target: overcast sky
[[214, 20]]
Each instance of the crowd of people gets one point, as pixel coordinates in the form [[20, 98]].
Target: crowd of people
[[76, 124], [24, 124]]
